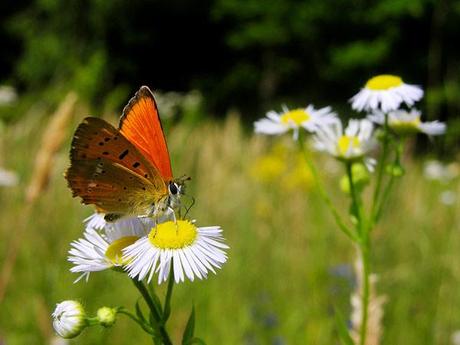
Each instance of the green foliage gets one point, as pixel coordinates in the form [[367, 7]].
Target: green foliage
[[62, 45], [189, 328]]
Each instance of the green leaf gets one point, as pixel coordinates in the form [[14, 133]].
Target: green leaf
[[342, 328], [189, 329]]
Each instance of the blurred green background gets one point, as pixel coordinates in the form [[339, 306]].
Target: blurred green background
[[216, 66]]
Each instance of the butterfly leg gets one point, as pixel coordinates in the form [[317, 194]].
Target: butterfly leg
[[173, 213], [170, 209], [155, 221]]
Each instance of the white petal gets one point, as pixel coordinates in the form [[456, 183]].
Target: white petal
[[265, 126], [433, 128]]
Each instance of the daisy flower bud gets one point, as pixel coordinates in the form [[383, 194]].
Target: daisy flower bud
[[69, 319], [106, 316], [361, 178]]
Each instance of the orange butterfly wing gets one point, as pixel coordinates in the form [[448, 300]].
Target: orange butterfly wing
[[109, 172], [141, 125], [111, 187]]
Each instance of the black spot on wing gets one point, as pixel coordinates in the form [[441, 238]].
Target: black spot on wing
[[123, 154]]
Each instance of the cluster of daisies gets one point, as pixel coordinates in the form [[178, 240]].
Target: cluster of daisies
[[142, 248], [385, 99]]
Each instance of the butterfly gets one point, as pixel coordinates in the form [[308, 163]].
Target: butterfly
[[125, 171]]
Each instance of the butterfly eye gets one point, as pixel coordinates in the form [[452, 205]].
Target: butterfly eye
[[173, 188]]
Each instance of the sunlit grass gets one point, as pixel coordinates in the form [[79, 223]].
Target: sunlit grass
[[288, 264]]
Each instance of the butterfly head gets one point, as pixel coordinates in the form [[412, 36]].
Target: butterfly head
[[176, 188]]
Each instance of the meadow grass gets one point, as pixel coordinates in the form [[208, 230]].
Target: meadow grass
[[289, 266]]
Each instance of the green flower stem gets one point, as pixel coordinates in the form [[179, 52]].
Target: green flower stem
[[381, 167], [364, 249], [91, 321], [389, 186], [155, 299], [167, 306], [143, 325], [384, 199], [356, 201], [322, 191], [156, 316]]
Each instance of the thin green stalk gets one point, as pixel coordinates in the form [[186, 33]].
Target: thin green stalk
[[385, 196], [381, 167], [157, 317], [364, 248], [356, 201], [377, 212], [167, 306], [155, 299], [322, 192], [143, 325], [92, 321]]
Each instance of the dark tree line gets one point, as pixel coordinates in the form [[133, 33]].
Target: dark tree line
[[244, 54]]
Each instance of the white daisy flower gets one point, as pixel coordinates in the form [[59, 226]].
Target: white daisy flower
[[385, 92], [404, 122], [448, 197], [8, 178], [352, 144], [69, 319], [437, 171], [308, 118], [100, 251], [193, 252]]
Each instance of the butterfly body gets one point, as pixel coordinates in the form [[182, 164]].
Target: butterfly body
[[124, 171]]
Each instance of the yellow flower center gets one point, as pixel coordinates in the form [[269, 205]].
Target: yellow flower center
[[298, 116], [383, 82], [345, 142], [115, 251], [170, 235]]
